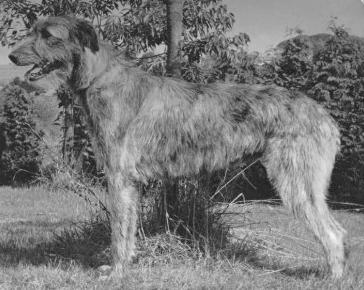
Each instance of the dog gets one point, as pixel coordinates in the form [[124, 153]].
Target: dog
[[145, 126]]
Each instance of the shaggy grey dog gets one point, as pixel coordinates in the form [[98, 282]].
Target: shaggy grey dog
[[145, 126]]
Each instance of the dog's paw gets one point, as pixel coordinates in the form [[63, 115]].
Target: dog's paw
[[104, 272]]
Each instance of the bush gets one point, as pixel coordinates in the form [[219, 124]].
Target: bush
[[338, 83], [20, 160], [333, 75]]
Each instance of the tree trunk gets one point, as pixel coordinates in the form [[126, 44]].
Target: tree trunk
[[175, 29], [173, 68]]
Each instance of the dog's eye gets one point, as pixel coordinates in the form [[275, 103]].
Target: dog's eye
[[45, 33], [53, 40], [50, 39]]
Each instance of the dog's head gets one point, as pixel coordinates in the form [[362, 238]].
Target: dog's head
[[55, 44]]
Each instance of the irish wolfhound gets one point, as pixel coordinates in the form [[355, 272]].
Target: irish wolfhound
[[145, 126]]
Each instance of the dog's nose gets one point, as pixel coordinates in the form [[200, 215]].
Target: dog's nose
[[14, 58]]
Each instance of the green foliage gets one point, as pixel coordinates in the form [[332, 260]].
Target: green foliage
[[333, 76], [17, 16], [206, 50], [20, 161], [295, 64], [141, 25], [337, 81]]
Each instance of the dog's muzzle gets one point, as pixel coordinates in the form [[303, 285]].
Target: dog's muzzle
[[14, 58]]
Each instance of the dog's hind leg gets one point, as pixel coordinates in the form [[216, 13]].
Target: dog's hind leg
[[300, 169]]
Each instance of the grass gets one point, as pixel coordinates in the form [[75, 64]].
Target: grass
[[46, 242]]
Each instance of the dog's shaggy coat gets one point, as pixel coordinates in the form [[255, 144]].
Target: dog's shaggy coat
[[145, 126]]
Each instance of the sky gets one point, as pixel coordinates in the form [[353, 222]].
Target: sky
[[267, 21]]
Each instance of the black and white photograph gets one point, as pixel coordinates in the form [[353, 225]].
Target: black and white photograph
[[181, 144]]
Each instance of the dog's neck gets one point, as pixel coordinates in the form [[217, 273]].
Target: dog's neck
[[88, 67]]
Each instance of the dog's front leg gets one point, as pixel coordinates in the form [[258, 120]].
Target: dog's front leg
[[123, 199]]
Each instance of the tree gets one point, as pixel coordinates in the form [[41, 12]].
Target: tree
[[140, 27], [174, 28], [142, 31]]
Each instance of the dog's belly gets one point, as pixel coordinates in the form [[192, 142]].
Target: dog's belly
[[186, 153]]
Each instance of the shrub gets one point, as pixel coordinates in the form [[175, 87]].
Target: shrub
[[20, 161], [338, 83], [333, 76]]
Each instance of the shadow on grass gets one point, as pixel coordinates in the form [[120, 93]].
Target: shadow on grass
[[252, 253], [304, 272], [88, 243], [297, 272], [84, 243]]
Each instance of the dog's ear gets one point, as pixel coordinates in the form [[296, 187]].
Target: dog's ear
[[86, 35], [59, 32]]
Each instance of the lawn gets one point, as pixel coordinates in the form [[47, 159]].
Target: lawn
[[41, 247]]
